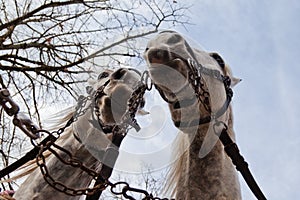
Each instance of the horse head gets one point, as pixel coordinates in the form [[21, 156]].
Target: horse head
[[177, 70], [105, 109], [168, 56]]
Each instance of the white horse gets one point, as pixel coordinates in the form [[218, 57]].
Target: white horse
[[202, 169], [91, 141]]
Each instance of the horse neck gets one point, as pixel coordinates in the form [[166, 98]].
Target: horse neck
[[210, 177], [35, 187]]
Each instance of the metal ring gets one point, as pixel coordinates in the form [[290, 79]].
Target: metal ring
[[114, 185]]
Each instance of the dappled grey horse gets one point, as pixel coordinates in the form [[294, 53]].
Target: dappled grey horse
[[197, 102]]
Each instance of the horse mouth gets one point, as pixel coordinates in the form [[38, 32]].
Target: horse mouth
[[176, 64], [170, 76]]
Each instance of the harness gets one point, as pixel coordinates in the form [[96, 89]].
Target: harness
[[195, 79]]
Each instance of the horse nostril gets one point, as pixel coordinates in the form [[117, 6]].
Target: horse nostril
[[158, 56], [118, 74]]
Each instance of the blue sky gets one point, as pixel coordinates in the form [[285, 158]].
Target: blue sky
[[259, 39]]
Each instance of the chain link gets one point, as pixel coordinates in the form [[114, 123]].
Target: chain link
[[41, 162], [125, 188], [19, 119], [198, 84]]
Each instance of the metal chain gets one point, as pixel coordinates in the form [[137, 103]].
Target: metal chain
[[198, 84], [125, 188], [133, 105], [128, 120], [71, 161], [136, 99], [81, 108], [79, 111], [12, 109]]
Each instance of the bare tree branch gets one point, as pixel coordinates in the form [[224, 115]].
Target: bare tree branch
[[49, 48]]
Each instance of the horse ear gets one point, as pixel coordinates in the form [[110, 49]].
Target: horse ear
[[218, 58], [235, 81], [220, 61]]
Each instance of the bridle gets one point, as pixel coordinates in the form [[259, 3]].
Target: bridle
[[96, 116], [118, 131], [196, 80]]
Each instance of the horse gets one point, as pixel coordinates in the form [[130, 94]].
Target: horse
[[191, 81], [85, 139]]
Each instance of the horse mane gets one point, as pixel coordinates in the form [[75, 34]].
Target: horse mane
[[180, 155], [55, 122], [60, 118]]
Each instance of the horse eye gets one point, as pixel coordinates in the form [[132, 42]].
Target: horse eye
[[103, 75], [146, 49], [174, 39]]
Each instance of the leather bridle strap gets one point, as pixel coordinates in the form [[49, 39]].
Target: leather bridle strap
[[238, 160], [211, 117]]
